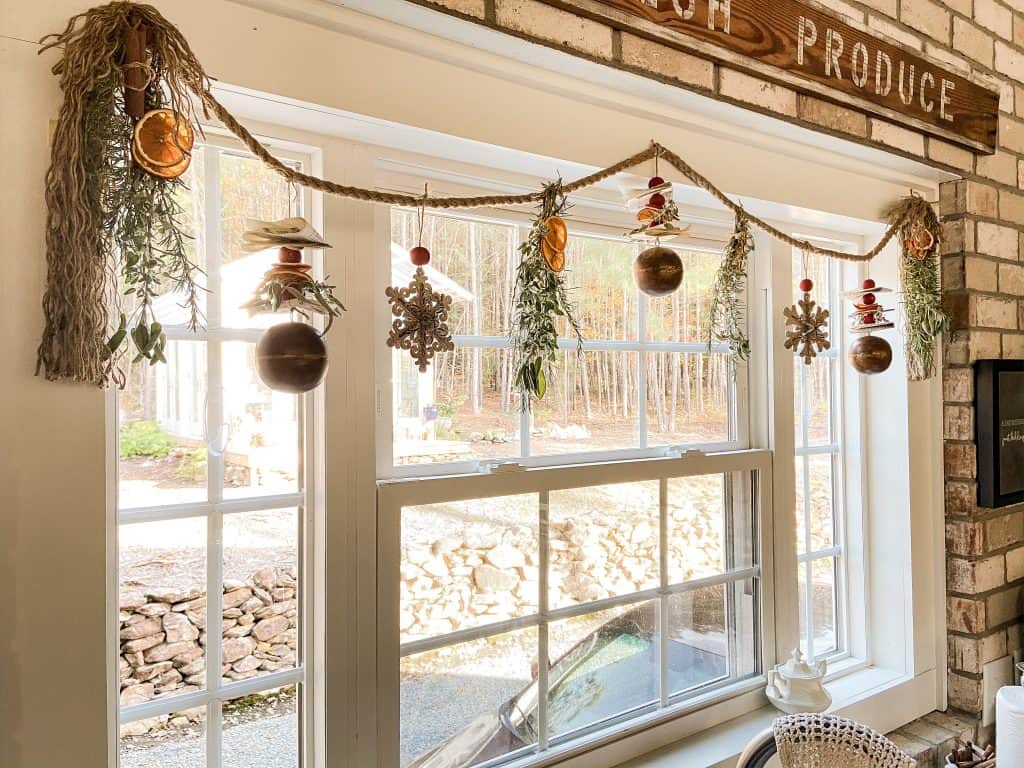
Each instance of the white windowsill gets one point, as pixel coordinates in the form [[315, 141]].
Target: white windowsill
[[720, 746]]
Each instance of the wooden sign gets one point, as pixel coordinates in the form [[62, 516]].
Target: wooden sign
[[799, 45]]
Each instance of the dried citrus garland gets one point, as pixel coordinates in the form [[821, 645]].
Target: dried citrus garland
[[127, 51]]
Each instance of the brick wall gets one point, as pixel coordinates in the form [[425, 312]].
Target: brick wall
[[982, 256]]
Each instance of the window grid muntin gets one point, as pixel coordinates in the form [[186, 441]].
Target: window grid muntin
[[832, 448], [641, 346], [216, 693], [730, 577]]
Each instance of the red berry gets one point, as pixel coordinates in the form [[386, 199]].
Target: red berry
[[655, 181], [868, 298], [420, 256], [289, 256], [868, 283], [657, 201], [869, 319], [806, 285]]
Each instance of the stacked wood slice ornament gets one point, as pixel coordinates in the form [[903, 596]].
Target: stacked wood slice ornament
[[869, 354], [290, 357], [657, 214], [806, 325]]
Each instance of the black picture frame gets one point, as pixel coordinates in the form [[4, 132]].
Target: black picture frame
[[999, 431]]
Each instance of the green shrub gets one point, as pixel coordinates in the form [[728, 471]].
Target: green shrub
[[144, 438], [192, 466]]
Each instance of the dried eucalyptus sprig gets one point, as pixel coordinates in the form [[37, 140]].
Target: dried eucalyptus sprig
[[308, 297], [541, 298], [727, 318], [924, 318]]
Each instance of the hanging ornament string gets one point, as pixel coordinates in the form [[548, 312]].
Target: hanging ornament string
[[419, 255]]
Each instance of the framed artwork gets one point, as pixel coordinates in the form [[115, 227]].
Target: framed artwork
[[999, 409]]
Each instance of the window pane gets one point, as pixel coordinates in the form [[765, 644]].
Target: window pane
[[682, 316], [602, 665], [473, 262], [603, 542], [261, 601], [172, 741], [813, 401], [465, 407], [823, 574], [599, 274], [162, 616], [248, 189], [471, 702], [468, 563], [260, 431], [591, 405], [821, 501], [262, 730], [696, 518], [801, 510], [162, 429], [698, 650], [688, 398]]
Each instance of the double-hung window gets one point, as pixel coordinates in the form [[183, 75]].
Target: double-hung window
[[213, 513], [547, 577]]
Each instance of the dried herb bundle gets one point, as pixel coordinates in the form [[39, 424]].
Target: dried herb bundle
[[307, 298], [541, 298], [727, 318], [106, 221], [924, 318]]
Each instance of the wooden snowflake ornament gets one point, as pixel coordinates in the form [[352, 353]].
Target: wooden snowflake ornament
[[806, 326], [421, 324]]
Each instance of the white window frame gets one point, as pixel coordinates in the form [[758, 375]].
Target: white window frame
[[307, 501], [768, 293], [588, 221], [395, 494]]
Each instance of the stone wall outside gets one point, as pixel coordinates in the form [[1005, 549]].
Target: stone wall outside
[[163, 639], [983, 273]]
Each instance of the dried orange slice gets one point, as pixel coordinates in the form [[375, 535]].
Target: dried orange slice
[[162, 138], [555, 258], [557, 235], [167, 172]]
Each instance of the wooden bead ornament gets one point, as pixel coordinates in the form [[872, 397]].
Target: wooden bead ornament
[[291, 357], [420, 255], [658, 271]]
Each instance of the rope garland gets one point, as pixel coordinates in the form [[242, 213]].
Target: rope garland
[[654, 150]]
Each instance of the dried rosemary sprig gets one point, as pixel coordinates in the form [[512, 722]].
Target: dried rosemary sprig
[[541, 298], [727, 317]]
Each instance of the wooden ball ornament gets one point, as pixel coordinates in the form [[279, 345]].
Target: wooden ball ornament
[[291, 357], [870, 355], [658, 271], [419, 256]]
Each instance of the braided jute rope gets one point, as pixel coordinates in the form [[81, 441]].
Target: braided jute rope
[[908, 213]]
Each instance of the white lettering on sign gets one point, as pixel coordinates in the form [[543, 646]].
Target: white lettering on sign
[[859, 58], [859, 65], [927, 81], [883, 58], [686, 15], [833, 50], [807, 34], [944, 99], [725, 8]]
